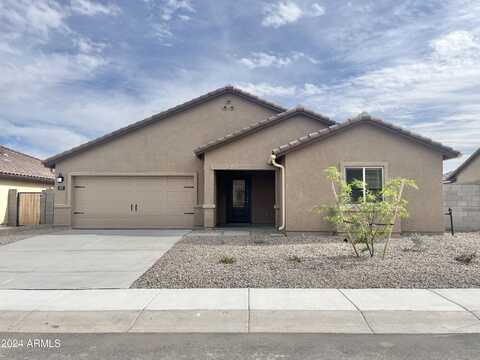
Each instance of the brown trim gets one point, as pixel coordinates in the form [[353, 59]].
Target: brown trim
[[50, 162], [261, 125], [448, 152], [453, 175]]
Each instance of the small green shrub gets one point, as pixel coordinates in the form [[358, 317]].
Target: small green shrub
[[227, 260], [365, 222], [295, 258], [466, 258]]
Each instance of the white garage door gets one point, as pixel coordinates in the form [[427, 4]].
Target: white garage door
[[133, 201]]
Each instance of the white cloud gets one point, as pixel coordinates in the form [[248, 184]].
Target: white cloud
[[7, 48], [172, 8], [263, 60], [445, 76], [44, 15], [41, 139], [91, 8], [444, 85], [317, 10], [26, 76], [265, 89], [162, 33], [281, 13], [311, 89], [455, 43], [287, 12], [27, 67], [164, 13], [21, 17], [85, 45]]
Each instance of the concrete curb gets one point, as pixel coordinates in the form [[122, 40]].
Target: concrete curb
[[346, 311]]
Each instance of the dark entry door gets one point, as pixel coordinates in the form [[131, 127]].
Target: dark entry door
[[239, 204]]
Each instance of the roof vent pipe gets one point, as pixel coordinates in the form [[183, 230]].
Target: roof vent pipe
[[282, 171]]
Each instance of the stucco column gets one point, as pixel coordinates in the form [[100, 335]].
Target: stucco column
[[209, 198]]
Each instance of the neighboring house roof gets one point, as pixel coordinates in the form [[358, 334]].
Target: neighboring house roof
[[227, 90], [15, 164], [364, 118], [261, 125], [453, 175], [447, 175]]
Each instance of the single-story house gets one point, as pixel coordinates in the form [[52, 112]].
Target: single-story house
[[22, 172], [468, 172], [220, 159]]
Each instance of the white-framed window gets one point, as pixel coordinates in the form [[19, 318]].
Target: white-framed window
[[372, 178]]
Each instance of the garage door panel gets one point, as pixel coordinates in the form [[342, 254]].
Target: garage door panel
[[104, 222], [180, 197], [160, 201], [96, 196], [165, 221], [178, 183]]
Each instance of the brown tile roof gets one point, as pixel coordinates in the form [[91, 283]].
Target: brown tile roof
[[261, 125], [453, 175], [19, 165], [448, 152], [162, 115]]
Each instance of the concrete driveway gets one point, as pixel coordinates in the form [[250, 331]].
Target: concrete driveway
[[82, 259]]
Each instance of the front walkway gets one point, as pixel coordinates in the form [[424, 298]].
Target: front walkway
[[353, 311], [80, 259]]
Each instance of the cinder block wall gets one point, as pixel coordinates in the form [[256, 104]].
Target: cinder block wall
[[465, 203]]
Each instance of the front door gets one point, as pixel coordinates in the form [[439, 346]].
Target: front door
[[238, 205]]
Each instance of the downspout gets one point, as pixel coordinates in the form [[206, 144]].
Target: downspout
[[282, 171]]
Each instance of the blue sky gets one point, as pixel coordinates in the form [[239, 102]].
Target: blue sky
[[74, 70]]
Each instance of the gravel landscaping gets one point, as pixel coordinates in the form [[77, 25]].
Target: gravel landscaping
[[10, 235], [239, 259]]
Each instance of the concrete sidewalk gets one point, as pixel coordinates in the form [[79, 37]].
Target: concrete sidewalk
[[348, 311]]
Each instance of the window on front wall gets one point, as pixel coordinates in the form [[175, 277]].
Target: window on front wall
[[371, 177]]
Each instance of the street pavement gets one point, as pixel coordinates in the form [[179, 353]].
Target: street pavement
[[241, 346]]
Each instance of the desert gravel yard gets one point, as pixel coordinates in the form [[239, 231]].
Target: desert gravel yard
[[258, 259]]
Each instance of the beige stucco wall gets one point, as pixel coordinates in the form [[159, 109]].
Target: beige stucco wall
[[21, 186], [306, 186], [166, 146], [251, 153], [263, 198], [470, 174]]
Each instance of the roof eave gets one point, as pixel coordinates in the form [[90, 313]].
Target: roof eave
[[447, 153], [462, 166], [262, 125], [28, 178]]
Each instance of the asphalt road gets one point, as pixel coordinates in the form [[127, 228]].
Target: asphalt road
[[231, 346]]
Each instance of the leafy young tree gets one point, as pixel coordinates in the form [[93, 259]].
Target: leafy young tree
[[372, 217]]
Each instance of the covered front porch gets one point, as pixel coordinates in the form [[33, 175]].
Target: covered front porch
[[244, 197]]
